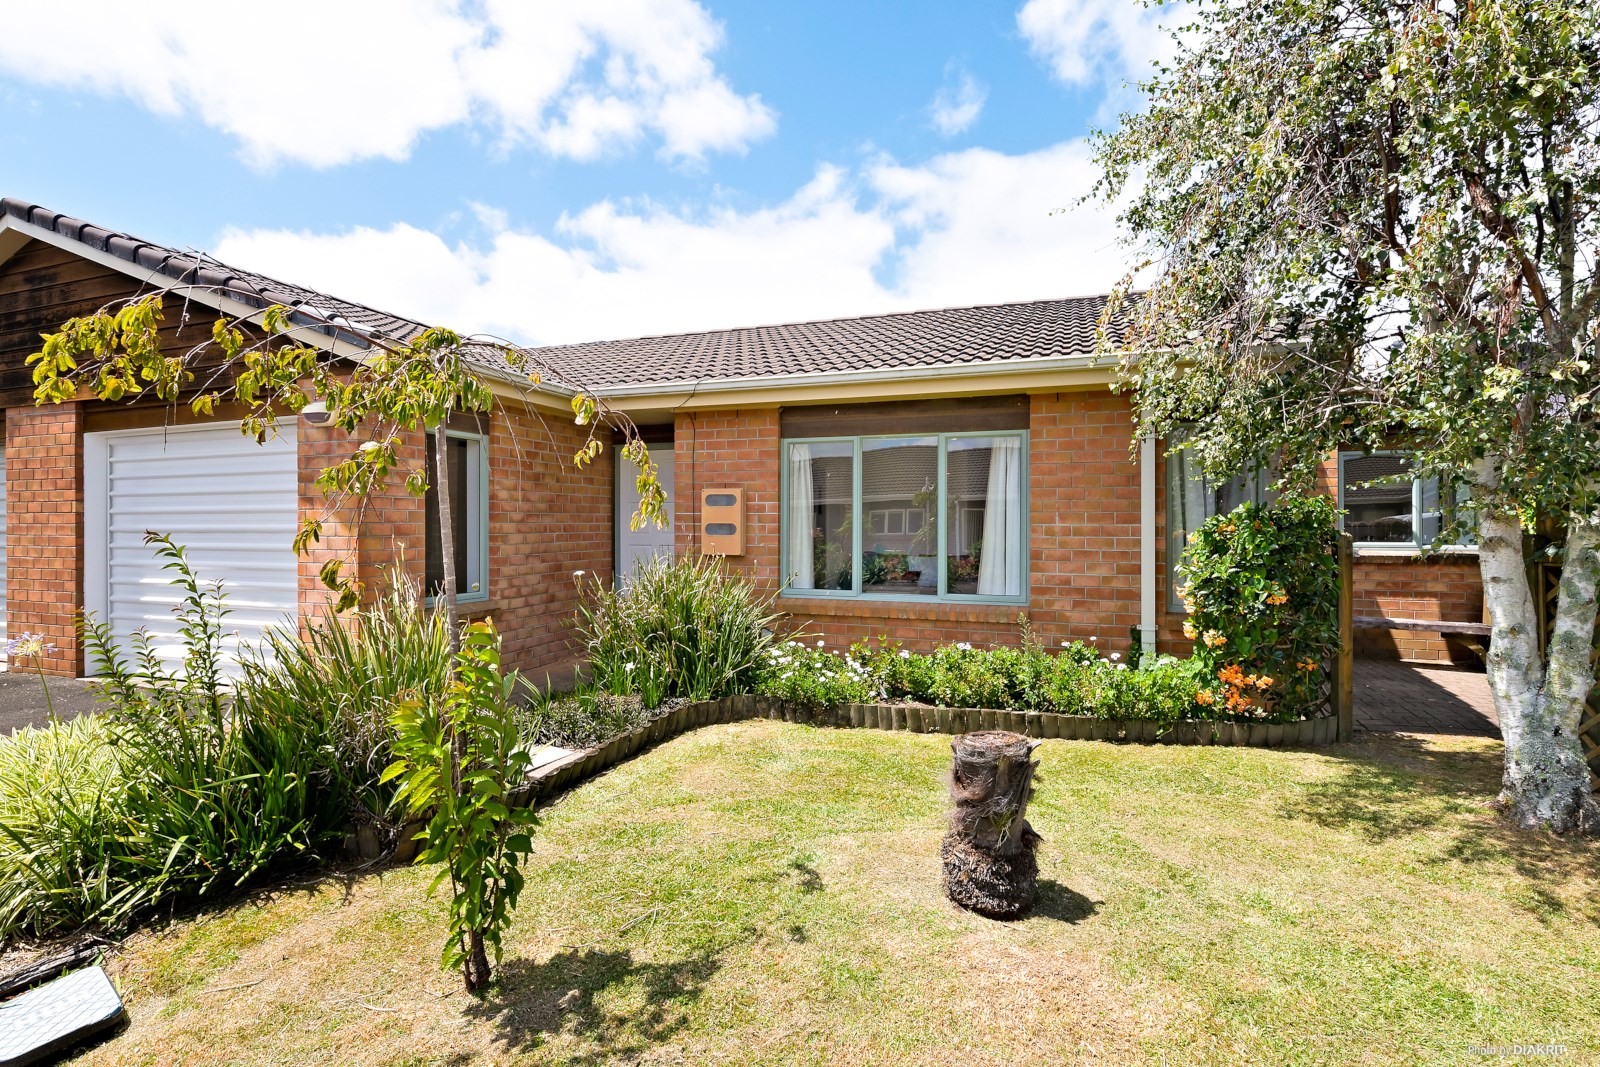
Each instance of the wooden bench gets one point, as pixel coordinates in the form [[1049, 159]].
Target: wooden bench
[[1432, 626]]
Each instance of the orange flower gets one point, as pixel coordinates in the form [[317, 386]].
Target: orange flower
[[1277, 598], [1308, 665], [1264, 682], [1205, 697], [1189, 630]]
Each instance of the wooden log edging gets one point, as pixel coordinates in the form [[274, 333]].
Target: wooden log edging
[[919, 718]]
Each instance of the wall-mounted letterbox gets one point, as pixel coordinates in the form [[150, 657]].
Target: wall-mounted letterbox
[[722, 522]]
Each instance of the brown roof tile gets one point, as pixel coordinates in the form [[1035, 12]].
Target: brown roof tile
[[946, 337]]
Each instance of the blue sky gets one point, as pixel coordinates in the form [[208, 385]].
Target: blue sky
[[556, 172]]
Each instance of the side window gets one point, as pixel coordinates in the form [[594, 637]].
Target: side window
[[469, 495], [1192, 498], [1385, 505]]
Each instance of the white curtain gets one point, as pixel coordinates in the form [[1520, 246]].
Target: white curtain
[[1000, 567], [798, 508]]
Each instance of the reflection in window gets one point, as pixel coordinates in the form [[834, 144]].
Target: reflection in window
[[1385, 505], [1378, 502], [899, 490], [818, 510]]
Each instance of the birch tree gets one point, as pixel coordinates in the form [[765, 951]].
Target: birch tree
[[1374, 224]]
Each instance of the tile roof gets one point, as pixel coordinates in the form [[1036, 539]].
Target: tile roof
[[989, 334], [170, 265], [947, 337]]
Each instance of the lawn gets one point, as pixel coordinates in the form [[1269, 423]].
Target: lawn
[[768, 893]]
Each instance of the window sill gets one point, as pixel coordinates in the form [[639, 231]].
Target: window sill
[[1402, 553], [467, 607], [903, 607]]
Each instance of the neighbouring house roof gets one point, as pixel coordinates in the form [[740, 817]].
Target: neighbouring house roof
[[997, 337], [990, 334]]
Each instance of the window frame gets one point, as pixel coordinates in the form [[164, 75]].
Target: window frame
[[477, 508], [1416, 544], [941, 519]]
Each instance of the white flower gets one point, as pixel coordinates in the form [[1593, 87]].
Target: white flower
[[1092, 640], [1065, 644], [819, 642], [1122, 666], [964, 646], [627, 666], [905, 653], [1115, 656], [579, 574]]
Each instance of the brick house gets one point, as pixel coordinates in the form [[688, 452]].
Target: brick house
[[933, 475]]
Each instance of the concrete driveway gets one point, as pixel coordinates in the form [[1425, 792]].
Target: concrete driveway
[[22, 700]]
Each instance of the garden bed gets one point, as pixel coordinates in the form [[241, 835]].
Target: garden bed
[[922, 719]]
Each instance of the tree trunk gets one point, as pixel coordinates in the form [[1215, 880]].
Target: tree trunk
[[475, 969], [989, 858], [1546, 781]]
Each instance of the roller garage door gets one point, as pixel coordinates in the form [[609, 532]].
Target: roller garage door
[[232, 503]]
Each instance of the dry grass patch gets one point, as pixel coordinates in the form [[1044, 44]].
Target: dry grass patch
[[763, 893]]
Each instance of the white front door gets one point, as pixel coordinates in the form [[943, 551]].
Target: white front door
[[231, 503], [635, 546]]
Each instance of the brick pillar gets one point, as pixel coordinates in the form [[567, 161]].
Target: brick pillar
[[44, 552], [368, 535]]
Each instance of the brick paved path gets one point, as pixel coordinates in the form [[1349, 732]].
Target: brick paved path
[[1393, 696]]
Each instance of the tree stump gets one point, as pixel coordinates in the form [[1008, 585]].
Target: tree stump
[[988, 853]]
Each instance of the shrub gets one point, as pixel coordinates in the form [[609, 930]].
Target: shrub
[[1263, 599], [61, 818], [340, 686], [1076, 680], [213, 795], [814, 677], [584, 718], [682, 628]]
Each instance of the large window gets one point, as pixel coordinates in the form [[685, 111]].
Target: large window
[[1385, 505], [921, 515], [469, 518], [1192, 498]]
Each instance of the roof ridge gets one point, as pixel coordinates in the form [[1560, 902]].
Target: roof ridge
[[826, 321]]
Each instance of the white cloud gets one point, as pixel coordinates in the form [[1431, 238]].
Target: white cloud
[[1089, 41], [324, 83], [965, 228], [956, 106]]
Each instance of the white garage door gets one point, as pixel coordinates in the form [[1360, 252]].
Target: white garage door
[[231, 503]]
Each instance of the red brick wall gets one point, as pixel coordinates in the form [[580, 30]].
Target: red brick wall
[[547, 519], [1084, 541], [44, 535], [367, 535]]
